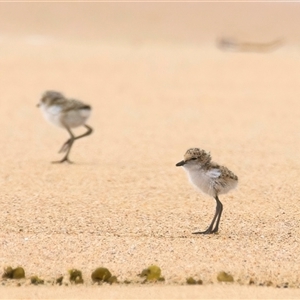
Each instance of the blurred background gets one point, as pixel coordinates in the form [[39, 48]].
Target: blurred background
[[160, 56], [138, 23]]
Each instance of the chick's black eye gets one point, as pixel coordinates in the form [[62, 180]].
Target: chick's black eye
[[194, 158]]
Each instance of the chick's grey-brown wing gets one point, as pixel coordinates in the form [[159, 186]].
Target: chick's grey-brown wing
[[73, 104], [226, 173]]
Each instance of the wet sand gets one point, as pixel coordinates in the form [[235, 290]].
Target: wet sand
[[158, 85]]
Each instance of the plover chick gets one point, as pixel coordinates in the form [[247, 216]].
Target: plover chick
[[210, 178], [65, 113]]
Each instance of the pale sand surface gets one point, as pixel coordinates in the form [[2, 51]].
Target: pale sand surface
[[151, 292], [158, 85]]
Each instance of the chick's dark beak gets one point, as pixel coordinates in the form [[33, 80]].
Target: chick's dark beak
[[181, 163]]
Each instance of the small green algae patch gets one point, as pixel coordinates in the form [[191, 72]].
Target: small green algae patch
[[59, 280], [192, 281], [101, 275], [75, 276], [8, 273], [36, 280], [152, 273], [224, 277], [16, 273]]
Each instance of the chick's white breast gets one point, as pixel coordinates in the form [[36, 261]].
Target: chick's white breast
[[202, 181], [52, 114], [56, 115], [211, 182]]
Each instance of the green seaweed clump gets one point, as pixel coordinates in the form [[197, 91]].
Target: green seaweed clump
[[268, 283], [16, 273], [101, 275], [59, 280], [224, 277], [8, 273], [75, 276], [152, 273], [191, 280], [36, 280]]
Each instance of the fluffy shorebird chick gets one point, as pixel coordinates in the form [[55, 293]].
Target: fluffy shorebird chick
[[65, 113], [210, 178]]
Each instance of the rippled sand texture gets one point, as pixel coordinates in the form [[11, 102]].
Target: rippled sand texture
[[158, 84]]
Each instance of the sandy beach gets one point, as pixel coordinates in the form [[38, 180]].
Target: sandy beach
[[158, 85]]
